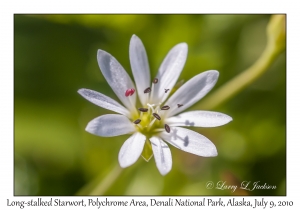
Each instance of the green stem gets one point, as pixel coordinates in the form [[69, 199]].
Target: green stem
[[241, 81], [98, 186]]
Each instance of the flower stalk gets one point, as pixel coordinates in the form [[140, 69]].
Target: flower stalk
[[99, 186], [276, 34]]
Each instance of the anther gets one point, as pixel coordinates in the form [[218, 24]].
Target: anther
[[156, 116], [129, 92], [155, 80], [137, 121], [147, 90], [179, 105], [167, 128], [166, 90], [143, 109], [166, 107]]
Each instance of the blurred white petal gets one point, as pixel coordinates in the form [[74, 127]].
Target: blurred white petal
[[199, 119], [103, 101], [190, 141], [169, 72], [117, 78], [110, 125], [162, 155], [139, 67], [192, 91], [131, 150]]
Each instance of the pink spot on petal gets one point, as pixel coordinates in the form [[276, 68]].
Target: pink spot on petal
[[129, 92]]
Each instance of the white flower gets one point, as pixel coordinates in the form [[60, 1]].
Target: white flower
[[154, 119]]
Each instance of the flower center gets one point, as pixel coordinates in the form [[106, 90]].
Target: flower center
[[150, 120]]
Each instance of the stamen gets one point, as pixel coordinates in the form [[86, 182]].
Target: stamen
[[167, 128], [138, 125], [179, 105], [166, 90], [141, 115], [143, 109], [151, 123], [147, 90], [137, 121], [151, 106], [129, 92], [166, 107], [156, 116], [159, 130], [155, 80]]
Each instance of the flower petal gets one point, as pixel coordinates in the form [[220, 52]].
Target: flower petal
[[190, 141], [110, 125], [131, 149], [162, 155], [199, 119], [192, 91], [103, 101], [139, 67], [117, 78], [169, 72]]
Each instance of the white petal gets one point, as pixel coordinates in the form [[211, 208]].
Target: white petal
[[103, 101], [190, 141], [110, 125], [139, 67], [169, 72], [192, 91], [199, 119], [117, 78], [162, 155], [131, 150]]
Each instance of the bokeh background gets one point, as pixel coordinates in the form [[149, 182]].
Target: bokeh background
[[55, 55]]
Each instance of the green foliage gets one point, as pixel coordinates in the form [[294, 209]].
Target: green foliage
[[55, 55]]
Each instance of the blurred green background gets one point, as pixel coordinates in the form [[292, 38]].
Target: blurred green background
[[55, 55]]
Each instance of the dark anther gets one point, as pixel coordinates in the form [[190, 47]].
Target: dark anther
[[129, 92], [179, 105], [166, 107], [167, 128], [155, 80], [143, 109], [156, 116], [166, 90], [137, 121], [147, 90]]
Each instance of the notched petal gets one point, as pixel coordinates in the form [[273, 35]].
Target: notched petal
[[110, 125], [190, 141], [169, 72], [103, 101], [131, 149], [117, 78], [199, 119], [162, 155], [192, 91]]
